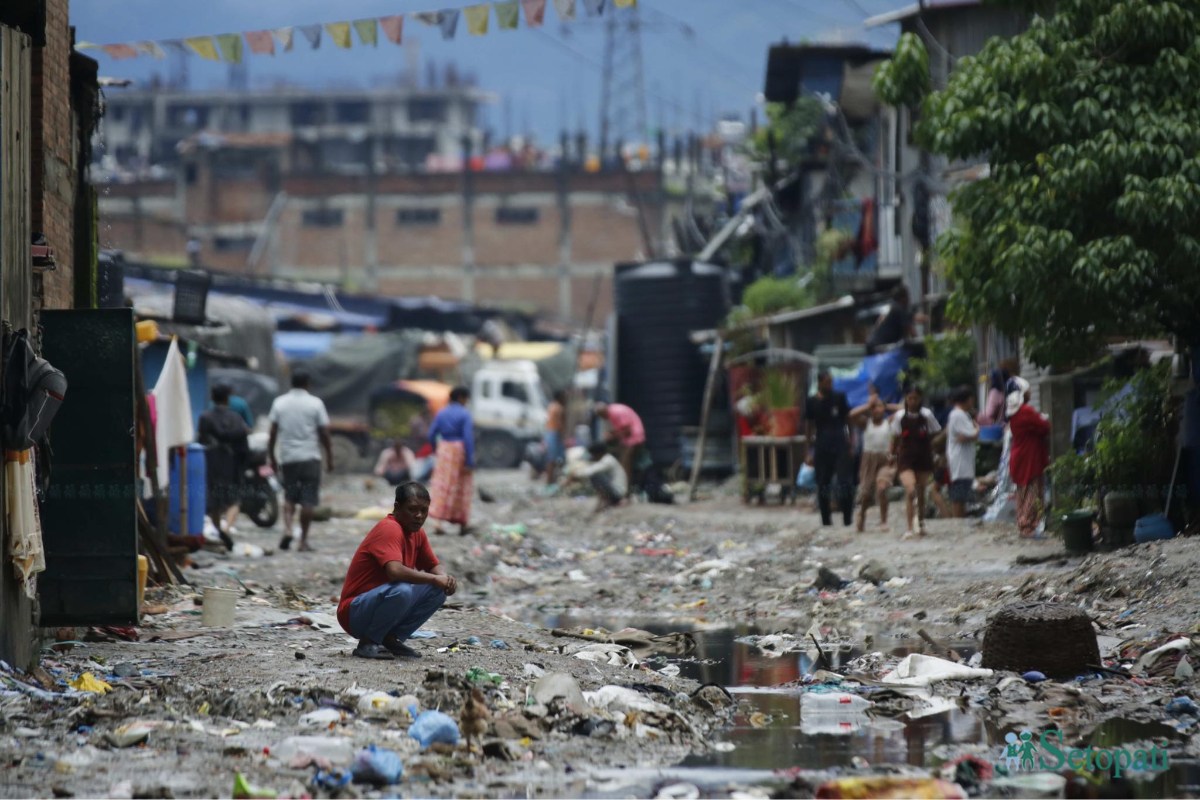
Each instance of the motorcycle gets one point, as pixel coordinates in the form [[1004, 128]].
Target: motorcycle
[[260, 487]]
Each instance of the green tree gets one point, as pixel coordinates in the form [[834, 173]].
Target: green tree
[[1087, 225], [792, 126]]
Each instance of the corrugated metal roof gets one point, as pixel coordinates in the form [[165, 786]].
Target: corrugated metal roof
[[909, 11]]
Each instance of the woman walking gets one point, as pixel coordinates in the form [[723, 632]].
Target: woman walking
[[877, 471], [913, 429], [453, 438], [1029, 457]]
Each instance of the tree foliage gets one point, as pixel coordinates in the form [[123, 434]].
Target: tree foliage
[[903, 80], [1087, 225], [792, 126]]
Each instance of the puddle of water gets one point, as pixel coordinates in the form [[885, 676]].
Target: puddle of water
[[769, 734]]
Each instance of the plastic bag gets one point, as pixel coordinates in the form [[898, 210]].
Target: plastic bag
[[807, 479], [377, 767], [434, 726]]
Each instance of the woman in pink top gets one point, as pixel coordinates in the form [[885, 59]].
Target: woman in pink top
[[626, 429]]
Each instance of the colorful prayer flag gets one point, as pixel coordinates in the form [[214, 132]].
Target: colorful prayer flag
[[284, 36], [508, 14], [477, 19], [204, 47], [151, 49], [261, 42], [313, 34], [367, 30], [429, 17], [86, 45], [231, 47], [535, 13], [174, 45], [340, 33], [448, 22], [624, 3], [119, 52], [594, 8], [393, 28], [566, 9]]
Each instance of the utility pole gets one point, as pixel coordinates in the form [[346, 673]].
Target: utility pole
[[468, 190], [623, 92], [371, 236]]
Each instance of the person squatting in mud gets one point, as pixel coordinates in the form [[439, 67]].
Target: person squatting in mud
[[395, 582]]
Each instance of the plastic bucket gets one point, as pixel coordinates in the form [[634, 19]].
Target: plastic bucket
[[1153, 527], [1121, 509], [218, 607], [991, 433], [1077, 531]]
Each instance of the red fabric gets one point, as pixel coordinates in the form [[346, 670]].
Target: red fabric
[[261, 42], [386, 542], [1030, 453], [393, 28]]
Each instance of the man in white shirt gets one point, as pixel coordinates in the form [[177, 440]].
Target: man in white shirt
[[961, 434], [300, 428]]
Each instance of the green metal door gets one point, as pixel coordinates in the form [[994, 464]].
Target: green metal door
[[89, 519]]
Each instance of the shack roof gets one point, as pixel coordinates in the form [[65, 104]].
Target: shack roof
[[910, 11]]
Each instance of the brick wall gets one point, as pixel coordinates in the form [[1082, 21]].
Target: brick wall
[[53, 146]]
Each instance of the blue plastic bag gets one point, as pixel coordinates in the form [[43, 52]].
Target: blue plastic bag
[[807, 479], [378, 767], [434, 726]]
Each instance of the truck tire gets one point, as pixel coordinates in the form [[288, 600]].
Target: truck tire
[[498, 450]]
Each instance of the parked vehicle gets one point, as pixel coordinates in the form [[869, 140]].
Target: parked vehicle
[[260, 488]]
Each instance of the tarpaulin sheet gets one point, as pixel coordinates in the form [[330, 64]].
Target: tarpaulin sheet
[[882, 370], [354, 366]]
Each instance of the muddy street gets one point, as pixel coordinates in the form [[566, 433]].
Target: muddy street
[[740, 615]]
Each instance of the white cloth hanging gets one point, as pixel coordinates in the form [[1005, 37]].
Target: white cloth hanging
[[23, 519], [173, 425]]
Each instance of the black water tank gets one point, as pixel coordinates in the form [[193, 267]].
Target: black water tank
[[660, 372]]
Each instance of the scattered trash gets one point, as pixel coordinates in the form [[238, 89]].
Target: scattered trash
[[828, 580], [875, 572], [620, 698], [832, 724], [130, 734], [916, 669], [424, 634], [244, 790], [885, 787], [670, 670], [434, 726], [321, 750], [248, 550], [322, 718], [558, 684], [87, 682], [481, 675], [1148, 660], [377, 767], [838, 702], [617, 655], [678, 791], [499, 644], [332, 779], [1180, 706], [1033, 676], [380, 704]]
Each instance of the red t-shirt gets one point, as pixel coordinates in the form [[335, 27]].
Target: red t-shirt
[[386, 542], [1030, 450]]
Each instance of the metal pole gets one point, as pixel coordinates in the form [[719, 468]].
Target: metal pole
[[698, 457]]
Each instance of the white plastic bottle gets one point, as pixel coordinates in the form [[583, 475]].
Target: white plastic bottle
[[832, 702]]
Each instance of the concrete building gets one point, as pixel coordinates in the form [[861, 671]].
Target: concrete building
[[49, 104], [525, 239], [341, 130]]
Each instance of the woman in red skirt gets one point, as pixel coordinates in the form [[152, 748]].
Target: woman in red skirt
[[1028, 457]]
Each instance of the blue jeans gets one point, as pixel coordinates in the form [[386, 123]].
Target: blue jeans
[[394, 608]]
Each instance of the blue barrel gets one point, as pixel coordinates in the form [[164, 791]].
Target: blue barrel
[[1153, 527], [196, 491]]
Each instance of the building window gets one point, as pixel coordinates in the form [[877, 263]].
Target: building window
[[190, 174], [232, 244], [322, 218], [516, 216], [418, 216], [427, 110], [305, 112], [352, 113]]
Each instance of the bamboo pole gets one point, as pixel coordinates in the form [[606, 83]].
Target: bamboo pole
[[698, 458]]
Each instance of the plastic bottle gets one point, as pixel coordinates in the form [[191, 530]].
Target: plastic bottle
[[434, 726], [836, 702], [333, 749]]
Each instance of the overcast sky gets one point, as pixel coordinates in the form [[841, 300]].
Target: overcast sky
[[703, 58]]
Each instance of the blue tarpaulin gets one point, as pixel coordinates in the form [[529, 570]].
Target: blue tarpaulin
[[882, 370], [301, 345]]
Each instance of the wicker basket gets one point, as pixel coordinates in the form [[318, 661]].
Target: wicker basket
[[1053, 638]]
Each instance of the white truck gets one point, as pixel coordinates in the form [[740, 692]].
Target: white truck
[[508, 404]]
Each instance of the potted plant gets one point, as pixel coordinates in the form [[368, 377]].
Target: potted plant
[[1074, 490], [779, 397]]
